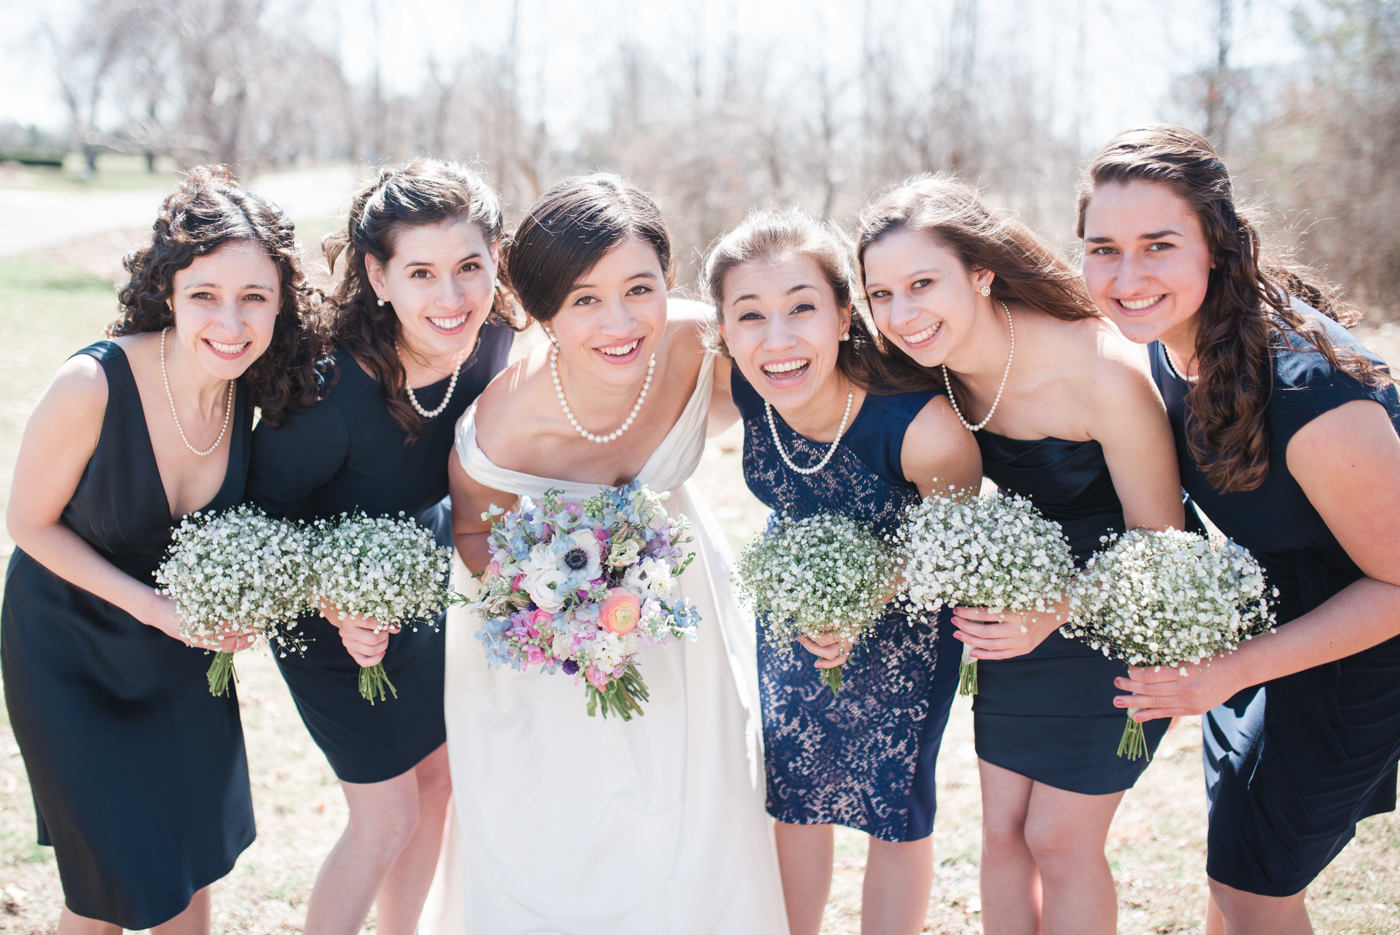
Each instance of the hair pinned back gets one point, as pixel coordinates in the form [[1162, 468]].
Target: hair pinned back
[[414, 194], [1246, 307], [207, 211]]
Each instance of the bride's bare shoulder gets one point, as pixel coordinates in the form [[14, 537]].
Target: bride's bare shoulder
[[507, 395]]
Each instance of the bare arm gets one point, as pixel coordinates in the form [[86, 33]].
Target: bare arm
[[469, 500], [938, 452], [58, 443], [1348, 463], [723, 411]]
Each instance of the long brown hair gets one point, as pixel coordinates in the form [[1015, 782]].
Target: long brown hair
[[207, 211], [1246, 310], [769, 234], [424, 191]]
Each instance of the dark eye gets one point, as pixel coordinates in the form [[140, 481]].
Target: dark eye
[[639, 289], [419, 274], [255, 297], [586, 300], [920, 283], [1102, 251], [201, 295], [804, 307], [470, 266], [1159, 246], [880, 294], [750, 316]]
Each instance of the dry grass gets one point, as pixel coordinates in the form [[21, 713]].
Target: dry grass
[[1157, 845]]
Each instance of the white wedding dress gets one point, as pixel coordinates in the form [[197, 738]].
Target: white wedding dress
[[577, 825]]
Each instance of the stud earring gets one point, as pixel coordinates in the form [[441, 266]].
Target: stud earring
[[381, 303], [985, 290], [550, 334], [846, 336]]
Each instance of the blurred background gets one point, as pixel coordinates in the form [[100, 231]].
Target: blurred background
[[714, 107]]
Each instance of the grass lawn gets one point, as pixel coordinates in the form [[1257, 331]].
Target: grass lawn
[[1157, 846]]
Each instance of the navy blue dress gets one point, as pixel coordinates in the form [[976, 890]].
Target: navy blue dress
[[864, 758], [1292, 765], [1049, 714], [139, 775], [347, 453]]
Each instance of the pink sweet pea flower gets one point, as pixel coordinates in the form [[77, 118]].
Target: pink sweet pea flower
[[533, 654], [493, 570], [621, 612], [541, 618], [597, 679], [515, 582]]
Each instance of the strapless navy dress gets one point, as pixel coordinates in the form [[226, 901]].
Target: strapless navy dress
[[1049, 714], [864, 758], [1292, 765], [346, 453], [139, 775]]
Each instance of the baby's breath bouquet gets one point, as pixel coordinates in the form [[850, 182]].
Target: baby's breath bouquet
[[1166, 598], [237, 570], [390, 569], [825, 574], [997, 552]]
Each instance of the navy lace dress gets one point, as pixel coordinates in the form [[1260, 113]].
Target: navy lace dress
[[139, 775], [1292, 765], [343, 454], [865, 758], [1049, 714]]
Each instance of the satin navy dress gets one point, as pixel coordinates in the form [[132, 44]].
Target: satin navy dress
[[346, 453], [139, 775], [1049, 714], [864, 758], [1292, 765]]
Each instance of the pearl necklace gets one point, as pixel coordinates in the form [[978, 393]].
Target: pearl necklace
[[413, 400], [1172, 367], [598, 439], [228, 405], [1005, 373], [772, 427]]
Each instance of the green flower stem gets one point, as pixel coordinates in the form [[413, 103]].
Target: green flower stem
[[623, 696], [1134, 742], [373, 681], [967, 672], [220, 672], [832, 678]]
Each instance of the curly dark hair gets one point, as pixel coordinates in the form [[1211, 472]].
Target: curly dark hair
[[768, 234], [205, 212], [1246, 310], [416, 193]]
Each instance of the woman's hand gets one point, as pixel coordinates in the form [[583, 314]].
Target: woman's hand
[[833, 652], [1163, 691], [165, 617], [994, 635], [365, 645]]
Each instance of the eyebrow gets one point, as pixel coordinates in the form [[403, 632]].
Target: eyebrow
[[1154, 235], [470, 256], [214, 285], [645, 274], [754, 295]]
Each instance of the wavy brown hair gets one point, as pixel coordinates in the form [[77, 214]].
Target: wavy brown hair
[[207, 211], [416, 193], [768, 235], [1246, 311]]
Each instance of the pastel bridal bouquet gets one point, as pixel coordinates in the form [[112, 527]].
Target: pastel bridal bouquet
[[583, 588], [238, 570], [390, 569], [997, 552], [1167, 598], [825, 574]]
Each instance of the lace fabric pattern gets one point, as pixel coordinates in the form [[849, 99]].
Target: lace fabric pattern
[[864, 758]]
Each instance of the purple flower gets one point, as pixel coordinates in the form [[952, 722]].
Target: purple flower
[[570, 667]]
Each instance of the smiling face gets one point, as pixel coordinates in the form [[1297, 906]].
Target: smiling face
[[225, 306], [1146, 261], [783, 328], [612, 320], [441, 281], [922, 297]]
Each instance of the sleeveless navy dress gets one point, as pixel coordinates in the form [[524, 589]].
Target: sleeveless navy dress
[[139, 775], [1292, 765], [346, 453], [864, 758], [1049, 714]]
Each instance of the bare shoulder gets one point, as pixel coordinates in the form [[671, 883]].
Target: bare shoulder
[[80, 385], [1108, 367], [938, 451], [502, 394]]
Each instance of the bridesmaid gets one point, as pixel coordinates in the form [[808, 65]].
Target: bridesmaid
[[1065, 414], [419, 331], [1286, 437], [139, 775], [830, 426]]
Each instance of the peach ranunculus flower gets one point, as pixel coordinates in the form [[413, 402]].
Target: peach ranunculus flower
[[620, 612]]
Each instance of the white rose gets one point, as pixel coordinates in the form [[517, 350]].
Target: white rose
[[624, 553]]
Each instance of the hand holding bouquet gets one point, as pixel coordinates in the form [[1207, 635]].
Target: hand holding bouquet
[[1167, 598], [826, 574], [389, 570], [995, 552], [585, 588], [238, 570]]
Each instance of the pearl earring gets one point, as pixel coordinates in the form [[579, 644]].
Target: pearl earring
[[985, 290], [381, 303], [550, 334], [846, 336]]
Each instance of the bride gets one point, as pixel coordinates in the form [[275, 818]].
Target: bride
[[568, 823]]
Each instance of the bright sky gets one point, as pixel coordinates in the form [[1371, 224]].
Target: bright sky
[[1133, 49]]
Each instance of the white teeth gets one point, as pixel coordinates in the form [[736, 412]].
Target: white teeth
[[621, 351], [1139, 304], [228, 348], [447, 324], [785, 367], [922, 336]]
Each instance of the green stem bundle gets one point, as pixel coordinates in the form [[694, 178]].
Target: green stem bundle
[[967, 672], [221, 671], [623, 696], [1134, 742], [373, 681]]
